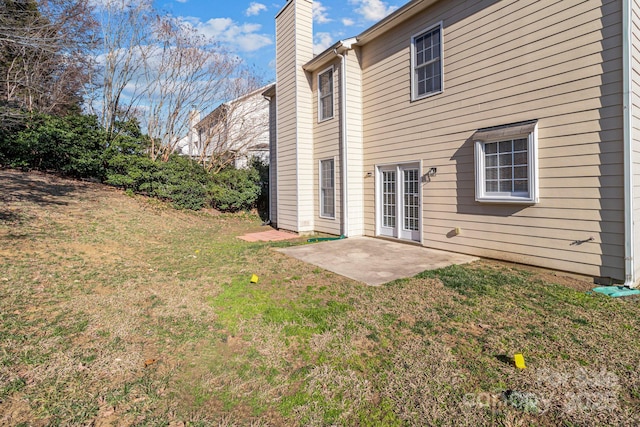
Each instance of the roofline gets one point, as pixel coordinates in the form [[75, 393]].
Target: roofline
[[287, 4], [330, 53], [283, 8], [271, 90], [222, 105], [399, 16], [405, 12], [250, 94]]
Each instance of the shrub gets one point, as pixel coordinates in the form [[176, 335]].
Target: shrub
[[262, 203], [71, 145], [77, 146], [179, 180], [233, 190], [184, 182]]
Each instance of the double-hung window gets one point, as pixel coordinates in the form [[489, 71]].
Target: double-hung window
[[327, 189], [325, 95], [506, 163], [426, 63]]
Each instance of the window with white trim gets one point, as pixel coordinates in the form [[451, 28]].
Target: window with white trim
[[426, 63], [325, 95], [327, 189], [507, 163]]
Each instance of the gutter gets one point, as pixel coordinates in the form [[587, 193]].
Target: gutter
[[629, 280], [344, 46]]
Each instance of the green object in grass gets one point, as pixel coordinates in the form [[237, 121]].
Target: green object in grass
[[616, 291], [325, 239]]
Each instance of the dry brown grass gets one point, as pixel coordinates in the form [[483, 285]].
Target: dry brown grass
[[121, 311]]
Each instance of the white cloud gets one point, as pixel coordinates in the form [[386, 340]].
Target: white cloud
[[372, 10], [255, 9], [241, 37], [321, 41], [347, 22], [181, 1], [320, 13]]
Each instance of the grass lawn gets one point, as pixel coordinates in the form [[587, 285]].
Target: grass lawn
[[119, 310]]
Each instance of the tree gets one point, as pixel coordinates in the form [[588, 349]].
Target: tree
[[44, 60], [125, 36], [157, 68], [183, 70]]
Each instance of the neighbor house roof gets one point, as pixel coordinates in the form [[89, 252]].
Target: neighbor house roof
[[212, 116]]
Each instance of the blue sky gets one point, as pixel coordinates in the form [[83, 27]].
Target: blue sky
[[247, 27]]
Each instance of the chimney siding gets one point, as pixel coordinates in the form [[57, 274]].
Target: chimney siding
[[294, 48]]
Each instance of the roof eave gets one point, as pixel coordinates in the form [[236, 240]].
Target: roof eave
[[271, 91], [320, 60], [396, 18], [404, 13]]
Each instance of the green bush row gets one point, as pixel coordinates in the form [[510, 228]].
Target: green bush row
[[77, 146]]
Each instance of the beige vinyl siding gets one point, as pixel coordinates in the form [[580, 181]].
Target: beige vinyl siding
[[286, 127], [504, 62], [326, 143], [304, 117], [635, 131], [355, 154], [293, 28]]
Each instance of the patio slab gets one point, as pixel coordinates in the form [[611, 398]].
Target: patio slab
[[374, 261], [268, 236]]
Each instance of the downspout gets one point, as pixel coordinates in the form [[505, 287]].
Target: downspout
[[343, 140], [628, 161]]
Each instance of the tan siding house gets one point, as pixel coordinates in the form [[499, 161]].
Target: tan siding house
[[504, 129], [634, 127]]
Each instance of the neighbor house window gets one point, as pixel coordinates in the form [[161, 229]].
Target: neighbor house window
[[506, 163], [426, 63], [325, 95], [327, 189]]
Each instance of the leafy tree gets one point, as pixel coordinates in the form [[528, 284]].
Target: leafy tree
[[72, 145]]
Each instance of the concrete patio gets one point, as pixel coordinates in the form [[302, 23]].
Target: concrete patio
[[374, 261]]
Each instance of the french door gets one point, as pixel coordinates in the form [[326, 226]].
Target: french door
[[399, 201]]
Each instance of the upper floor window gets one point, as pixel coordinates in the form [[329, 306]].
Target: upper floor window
[[426, 63], [325, 95], [506, 163]]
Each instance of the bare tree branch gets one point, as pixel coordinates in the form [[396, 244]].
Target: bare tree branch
[[44, 60], [183, 71]]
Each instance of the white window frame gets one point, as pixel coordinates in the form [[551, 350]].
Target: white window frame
[[321, 118], [414, 84], [321, 188], [530, 197]]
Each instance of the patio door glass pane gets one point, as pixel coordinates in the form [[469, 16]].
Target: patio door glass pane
[[389, 199], [411, 199]]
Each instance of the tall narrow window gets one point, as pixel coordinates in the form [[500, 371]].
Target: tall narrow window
[[325, 95], [426, 63], [411, 199], [389, 199], [327, 189]]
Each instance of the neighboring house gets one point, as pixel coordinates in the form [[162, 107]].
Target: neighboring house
[[504, 129], [232, 133]]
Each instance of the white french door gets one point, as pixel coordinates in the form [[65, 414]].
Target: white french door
[[399, 201]]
